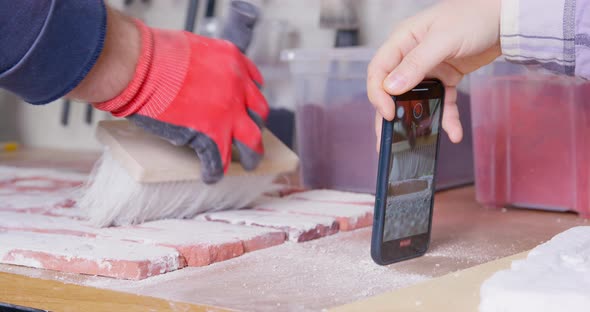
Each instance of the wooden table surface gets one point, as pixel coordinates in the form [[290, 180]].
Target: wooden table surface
[[59, 296], [457, 292], [324, 273]]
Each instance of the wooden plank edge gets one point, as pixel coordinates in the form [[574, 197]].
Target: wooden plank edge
[[57, 296]]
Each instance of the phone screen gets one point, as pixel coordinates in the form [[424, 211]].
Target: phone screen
[[412, 165]]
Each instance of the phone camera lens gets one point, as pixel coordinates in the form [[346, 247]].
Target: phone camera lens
[[418, 110]]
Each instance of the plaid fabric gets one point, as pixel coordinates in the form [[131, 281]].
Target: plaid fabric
[[552, 33]]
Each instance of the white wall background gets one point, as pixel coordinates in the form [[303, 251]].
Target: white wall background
[[40, 126]]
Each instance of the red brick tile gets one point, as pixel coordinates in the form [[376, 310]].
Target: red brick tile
[[298, 228], [84, 255], [349, 216], [199, 242]]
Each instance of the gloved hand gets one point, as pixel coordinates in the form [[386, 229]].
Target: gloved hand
[[196, 91]]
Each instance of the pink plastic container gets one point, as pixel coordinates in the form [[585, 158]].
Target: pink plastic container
[[531, 139]]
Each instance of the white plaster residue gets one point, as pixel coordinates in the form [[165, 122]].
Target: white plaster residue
[[184, 232], [105, 265], [19, 259], [80, 247], [7, 172], [315, 208], [37, 222], [335, 196], [294, 224], [24, 201], [554, 277], [41, 189]]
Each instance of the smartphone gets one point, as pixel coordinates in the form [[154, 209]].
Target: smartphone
[[406, 175]]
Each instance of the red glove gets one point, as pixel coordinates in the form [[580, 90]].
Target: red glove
[[196, 91]]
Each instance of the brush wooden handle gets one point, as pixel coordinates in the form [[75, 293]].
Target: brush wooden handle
[[150, 159]]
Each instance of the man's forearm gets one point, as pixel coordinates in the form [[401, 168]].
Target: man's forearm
[[115, 67]]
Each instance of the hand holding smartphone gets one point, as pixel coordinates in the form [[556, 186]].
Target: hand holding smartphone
[[406, 175]]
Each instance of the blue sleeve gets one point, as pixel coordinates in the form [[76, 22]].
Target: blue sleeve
[[47, 47]]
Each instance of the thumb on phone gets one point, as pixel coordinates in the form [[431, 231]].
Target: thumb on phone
[[416, 64]]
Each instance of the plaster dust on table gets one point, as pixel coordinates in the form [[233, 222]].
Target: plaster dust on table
[[554, 277], [306, 276], [460, 251]]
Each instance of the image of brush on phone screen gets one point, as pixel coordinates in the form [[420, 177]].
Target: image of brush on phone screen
[[405, 183]]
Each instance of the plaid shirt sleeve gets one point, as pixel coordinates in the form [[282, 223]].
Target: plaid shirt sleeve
[[552, 33]]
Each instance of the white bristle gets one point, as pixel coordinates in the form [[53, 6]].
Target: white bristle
[[414, 163], [112, 197]]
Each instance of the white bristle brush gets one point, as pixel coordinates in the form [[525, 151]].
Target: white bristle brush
[[142, 177], [414, 162]]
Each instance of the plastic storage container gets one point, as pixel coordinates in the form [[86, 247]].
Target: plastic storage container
[[8, 116], [531, 139], [335, 136], [455, 161], [271, 36]]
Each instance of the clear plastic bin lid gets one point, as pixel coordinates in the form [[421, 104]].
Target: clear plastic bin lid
[[349, 62], [360, 54]]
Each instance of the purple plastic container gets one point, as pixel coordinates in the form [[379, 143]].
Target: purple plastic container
[[334, 120], [455, 161]]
